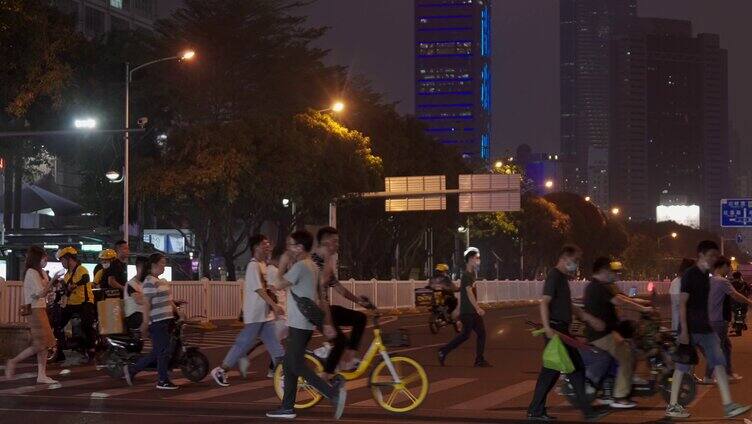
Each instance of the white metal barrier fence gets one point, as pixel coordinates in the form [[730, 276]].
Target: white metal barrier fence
[[218, 300]]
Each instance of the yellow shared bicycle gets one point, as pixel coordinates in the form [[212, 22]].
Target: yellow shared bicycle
[[397, 383]]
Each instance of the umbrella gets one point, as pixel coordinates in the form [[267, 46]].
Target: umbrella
[[35, 199]]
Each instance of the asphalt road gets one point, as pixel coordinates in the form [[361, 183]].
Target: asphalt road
[[458, 392]]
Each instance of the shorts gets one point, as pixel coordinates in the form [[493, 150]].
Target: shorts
[[134, 320], [711, 348]]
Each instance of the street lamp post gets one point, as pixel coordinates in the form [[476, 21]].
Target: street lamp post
[[673, 235], [186, 55]]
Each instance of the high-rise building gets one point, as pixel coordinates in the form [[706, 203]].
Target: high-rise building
[[670, 119], [453, 73], [96, 17], [587, 28]]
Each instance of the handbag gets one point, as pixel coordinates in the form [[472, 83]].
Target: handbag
[[556, 357], [309, 309], [24, 310]]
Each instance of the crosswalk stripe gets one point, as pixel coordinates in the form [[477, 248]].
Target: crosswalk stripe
[[439, 386], [497, 397], [223, 391], [20, 376], [351, 385], [61, 384], [128, 390]]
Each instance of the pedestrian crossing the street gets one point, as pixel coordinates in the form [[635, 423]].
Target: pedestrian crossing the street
[[449, 394]]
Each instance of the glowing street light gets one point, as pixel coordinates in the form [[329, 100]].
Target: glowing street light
[[285, 202], [587, 198], [338, 107], [674, 235], [733, 258], [549, 184], [498, 164], [187, 55], [85, 124], [615, 211]]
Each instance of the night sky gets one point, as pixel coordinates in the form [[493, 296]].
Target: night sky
[[375, 38]]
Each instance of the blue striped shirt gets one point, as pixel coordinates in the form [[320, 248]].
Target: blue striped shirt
[[159, 295]]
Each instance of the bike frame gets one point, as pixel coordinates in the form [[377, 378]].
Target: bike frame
[[376, 348]]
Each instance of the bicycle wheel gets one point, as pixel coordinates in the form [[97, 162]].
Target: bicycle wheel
[[404, 396], [306, 396]]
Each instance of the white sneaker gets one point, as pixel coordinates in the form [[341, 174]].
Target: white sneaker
[[46, 380], [220, 377], [270, 373], [735, 377], [677, 411], [243, 364]]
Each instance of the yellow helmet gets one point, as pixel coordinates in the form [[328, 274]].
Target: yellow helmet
[[107, 254], [616, 266], [65, 251], [442, 267]]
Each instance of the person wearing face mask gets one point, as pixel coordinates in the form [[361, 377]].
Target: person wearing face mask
[[471, 314], [602, 295], [695, 330], [556, 311]]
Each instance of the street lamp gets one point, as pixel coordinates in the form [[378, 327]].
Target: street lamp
[[183, 56], [587, 198], [337, 107], [85, 123], [498, 164], [549, 184], [615, 211], [113, 176], [673, 235]]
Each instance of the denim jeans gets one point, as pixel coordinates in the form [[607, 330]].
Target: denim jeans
[[295, 366], [159, 333], [710, 345], [721, 329], [266, 331]]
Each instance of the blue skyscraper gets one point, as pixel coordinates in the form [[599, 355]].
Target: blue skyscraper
[[453, 73]]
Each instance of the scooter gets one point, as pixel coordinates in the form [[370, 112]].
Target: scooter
[[651, 343], [740, 319], [440, 315], [125, 349]]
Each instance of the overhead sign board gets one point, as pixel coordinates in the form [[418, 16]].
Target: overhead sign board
[[736, 212], [419, 201], [490, 192]]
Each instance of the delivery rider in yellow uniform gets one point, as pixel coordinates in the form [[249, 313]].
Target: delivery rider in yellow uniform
[[80, 298]]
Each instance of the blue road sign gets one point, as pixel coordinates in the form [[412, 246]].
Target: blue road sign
[[736, 212]]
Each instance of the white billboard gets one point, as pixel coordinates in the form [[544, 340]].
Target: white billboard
[[688, 215]]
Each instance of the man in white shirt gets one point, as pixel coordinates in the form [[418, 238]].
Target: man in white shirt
[[258, 306]]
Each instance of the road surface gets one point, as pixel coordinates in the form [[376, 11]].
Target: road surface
[[458, 392]]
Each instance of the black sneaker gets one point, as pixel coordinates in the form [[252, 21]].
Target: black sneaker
[[594, 416], [482, 364], [540, 417], [286, 414], [442, 357], [166, 385]]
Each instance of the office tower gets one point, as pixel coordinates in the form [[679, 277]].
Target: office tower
[[453, 73], [670, 119], [587, 28]]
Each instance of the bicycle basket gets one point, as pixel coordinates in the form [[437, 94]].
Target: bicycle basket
[[398, 338], [423, 298]]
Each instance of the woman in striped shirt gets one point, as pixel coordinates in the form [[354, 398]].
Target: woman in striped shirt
[[159, 313]]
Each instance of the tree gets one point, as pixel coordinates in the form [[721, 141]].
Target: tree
[[35, 42], [641, 257], [593, 230]]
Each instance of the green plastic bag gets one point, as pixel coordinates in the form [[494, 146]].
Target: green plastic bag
[[555, 356]]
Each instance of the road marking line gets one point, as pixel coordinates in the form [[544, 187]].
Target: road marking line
[[351, 385], [492, 399], [439, 386], [21, 376], [142, 387], [411, 349], [222, 391], [61, 384]]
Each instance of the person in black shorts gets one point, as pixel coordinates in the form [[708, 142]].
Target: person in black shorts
[[471, 314], [556, 315], [327, 245]]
